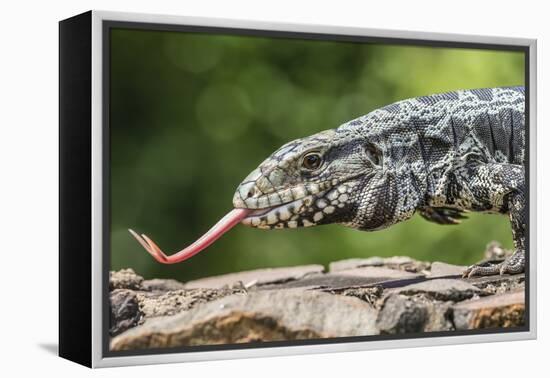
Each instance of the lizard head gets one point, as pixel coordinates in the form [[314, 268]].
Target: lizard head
[[309, 181], [329, 177]]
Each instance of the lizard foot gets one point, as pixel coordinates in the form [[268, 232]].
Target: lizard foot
[[512, 265], [442, 215]]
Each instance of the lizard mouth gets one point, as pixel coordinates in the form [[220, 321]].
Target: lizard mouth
[[286, 215]]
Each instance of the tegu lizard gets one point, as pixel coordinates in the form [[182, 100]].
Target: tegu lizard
[[439, 155]]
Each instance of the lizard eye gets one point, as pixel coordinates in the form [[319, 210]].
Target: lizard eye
[[312, 161]]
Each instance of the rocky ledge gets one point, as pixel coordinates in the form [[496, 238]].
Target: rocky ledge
[[355, 297]]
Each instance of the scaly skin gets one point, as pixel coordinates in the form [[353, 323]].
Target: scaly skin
[[438, 155]]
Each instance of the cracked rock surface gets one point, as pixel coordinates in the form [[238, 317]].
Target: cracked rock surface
[[354, 297]]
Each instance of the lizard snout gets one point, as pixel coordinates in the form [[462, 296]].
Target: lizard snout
[[245, 192], [249, 196], [257, 191]]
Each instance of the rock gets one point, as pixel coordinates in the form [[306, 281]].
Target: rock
[[498, 284], [396, 262], [125, 279], [173, 302], [134, 299], [400, 314], [256, 277], [441, 269], [162, 285], [501, 310], [379, 273], [371, 295], [355, 263], [259, 316], [396, 295], [348, 279], [325, 281], [125, 312], [423, 306], [357, 277], [412, 314], [441, 289]]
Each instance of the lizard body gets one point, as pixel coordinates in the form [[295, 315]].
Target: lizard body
[[438, 155]]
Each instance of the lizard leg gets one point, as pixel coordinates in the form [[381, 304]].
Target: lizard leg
[[506, 191], [442, 215]]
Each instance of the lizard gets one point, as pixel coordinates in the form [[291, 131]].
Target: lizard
[[439, 155]]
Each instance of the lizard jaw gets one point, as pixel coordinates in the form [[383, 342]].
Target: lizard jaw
[[284, 215]]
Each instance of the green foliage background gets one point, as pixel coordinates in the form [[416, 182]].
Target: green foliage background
[[192, 114]]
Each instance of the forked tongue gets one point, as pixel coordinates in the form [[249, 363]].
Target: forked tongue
[[225, 224]]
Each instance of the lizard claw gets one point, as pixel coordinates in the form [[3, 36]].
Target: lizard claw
[[443, 215], [486, 268], [512, 265]]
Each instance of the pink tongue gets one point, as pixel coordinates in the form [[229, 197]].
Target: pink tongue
[[225, 224]]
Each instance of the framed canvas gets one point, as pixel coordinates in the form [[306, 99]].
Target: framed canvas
[[374, 189]]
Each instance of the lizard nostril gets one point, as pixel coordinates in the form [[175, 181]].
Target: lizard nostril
[[248, 191]]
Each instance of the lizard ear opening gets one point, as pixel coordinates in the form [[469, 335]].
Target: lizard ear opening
[[374, 154]]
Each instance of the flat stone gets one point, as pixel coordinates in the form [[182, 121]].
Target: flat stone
[[325, 281], [175, 301], [257, 316], [396, 262], [358, 277], [256, 277], [379, 273], [441, 269], [501, 310], [498, 284], [502, 287], [158, 284], [441, 289], [370, 261]]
